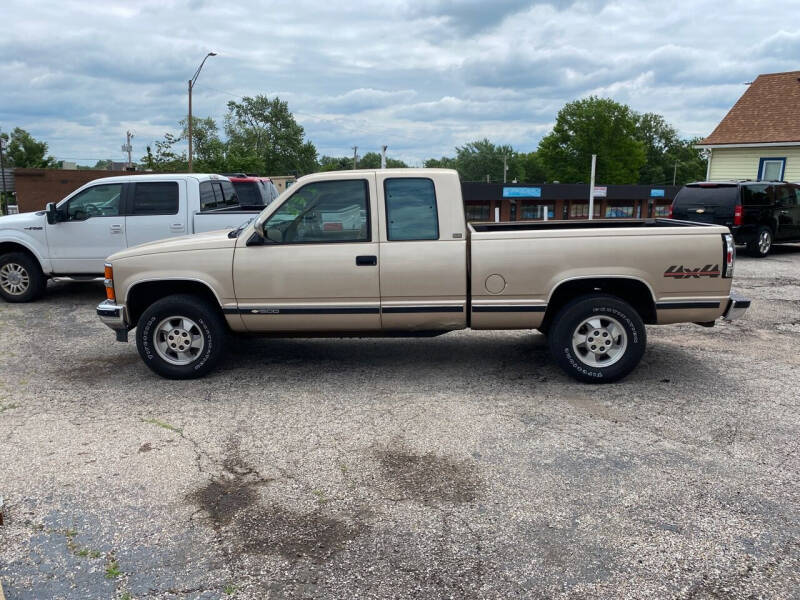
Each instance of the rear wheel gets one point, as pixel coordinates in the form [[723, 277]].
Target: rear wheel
[[597, 338], [181, 337], [21, 279], [762, 243]]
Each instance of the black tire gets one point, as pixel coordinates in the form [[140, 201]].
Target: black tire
[[761, 245], [21, 277], [155, 347], [613, 314]]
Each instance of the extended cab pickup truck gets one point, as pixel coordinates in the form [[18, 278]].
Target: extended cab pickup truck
[[388, 252], [74, 237]]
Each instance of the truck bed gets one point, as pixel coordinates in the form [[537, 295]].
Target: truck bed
[[582, 224]]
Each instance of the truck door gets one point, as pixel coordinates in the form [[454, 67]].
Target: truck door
[[423, 256], [155, 210], [318, 271], [91, 226]]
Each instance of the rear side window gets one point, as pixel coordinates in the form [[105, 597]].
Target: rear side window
[[723, 195], [217, 194], [755, 195], [411, 212], [784, 195], [155, 198]]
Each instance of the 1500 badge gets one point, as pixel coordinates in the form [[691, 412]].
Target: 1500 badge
[[681, 272]]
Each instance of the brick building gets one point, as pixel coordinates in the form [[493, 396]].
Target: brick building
[[524, 202]]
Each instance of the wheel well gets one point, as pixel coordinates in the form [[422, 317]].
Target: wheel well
[[8, 247], [142, 295], [632, 291]]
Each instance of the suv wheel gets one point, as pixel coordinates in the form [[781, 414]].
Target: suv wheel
[[597, 338], [21, 279], [762, 244], [181, 337]]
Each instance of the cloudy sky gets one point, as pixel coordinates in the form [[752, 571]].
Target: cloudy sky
[[421, 77]]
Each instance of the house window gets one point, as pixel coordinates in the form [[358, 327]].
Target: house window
[[771, 169], [477, 212]]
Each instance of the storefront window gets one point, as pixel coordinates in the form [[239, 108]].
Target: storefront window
[[619, 212], [477, 212], [661, 210], [580, 210], [533, 212]]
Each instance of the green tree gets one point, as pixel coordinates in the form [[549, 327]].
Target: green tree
[[478, 159], [593, 126], [163, 157], [263, 127], [691, 164], [527, 168], [659, 139], [372, 160], [440, 163], [335, 163], [24, 151]]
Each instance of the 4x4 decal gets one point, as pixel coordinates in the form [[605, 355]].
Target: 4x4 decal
[[681, 272]]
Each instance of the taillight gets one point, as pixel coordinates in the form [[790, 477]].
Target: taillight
[[737, 215], [730, 255], [109, 282], [671, 210]]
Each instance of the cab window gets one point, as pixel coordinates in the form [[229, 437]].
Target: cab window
[[411, 209], [96, 201], [155, 198], [325, 211]]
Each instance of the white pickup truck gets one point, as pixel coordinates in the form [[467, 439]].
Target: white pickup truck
[[74, 237]]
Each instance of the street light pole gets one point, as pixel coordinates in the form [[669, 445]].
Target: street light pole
[[191, 85]]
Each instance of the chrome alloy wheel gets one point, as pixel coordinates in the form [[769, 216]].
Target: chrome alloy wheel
[[14, 279], [599, 341], [179, 340], [764, 242]]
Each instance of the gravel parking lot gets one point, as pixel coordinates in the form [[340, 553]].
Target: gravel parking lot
[[464, 466]]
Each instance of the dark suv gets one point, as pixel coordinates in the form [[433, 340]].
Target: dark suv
[[758, 213]]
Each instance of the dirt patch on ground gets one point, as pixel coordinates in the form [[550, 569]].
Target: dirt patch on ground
[[232, 502], [429, 478], [293, 535]]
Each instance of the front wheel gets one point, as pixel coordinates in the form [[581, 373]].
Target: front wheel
[[181, 337], [597, 338], [21, 279]]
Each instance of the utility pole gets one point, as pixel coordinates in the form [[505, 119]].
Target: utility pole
[[128, 148], [591, 188], [355, 157], [383, 156], [3, 176], [505, 166], [191, 85], [674, 172]]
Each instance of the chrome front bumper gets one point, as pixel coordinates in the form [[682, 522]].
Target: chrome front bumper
[[113, 315], [737, 306]]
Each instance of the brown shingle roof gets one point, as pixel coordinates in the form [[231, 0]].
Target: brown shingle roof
[[768, 112]]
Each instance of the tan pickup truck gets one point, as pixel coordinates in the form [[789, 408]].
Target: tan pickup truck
[[388, 252]]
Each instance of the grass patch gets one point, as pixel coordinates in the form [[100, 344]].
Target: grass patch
[[5, 407], [164, 425], [229, 589], [112, 569], [320, 496]]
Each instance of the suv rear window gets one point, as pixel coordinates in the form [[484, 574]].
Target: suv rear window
[[248, 193], [695, 195]]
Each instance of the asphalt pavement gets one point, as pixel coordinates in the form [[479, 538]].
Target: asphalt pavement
[[463, 466]]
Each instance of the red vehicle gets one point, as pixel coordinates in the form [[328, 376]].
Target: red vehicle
[[253, 190]]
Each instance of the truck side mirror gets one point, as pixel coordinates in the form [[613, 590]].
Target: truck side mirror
[[52, 214], [274, 235]]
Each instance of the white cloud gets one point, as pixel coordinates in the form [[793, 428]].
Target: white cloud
[[421, 78]]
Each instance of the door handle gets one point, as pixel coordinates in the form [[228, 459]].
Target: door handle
[[366, 261], [176, 227], [116, 229]]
